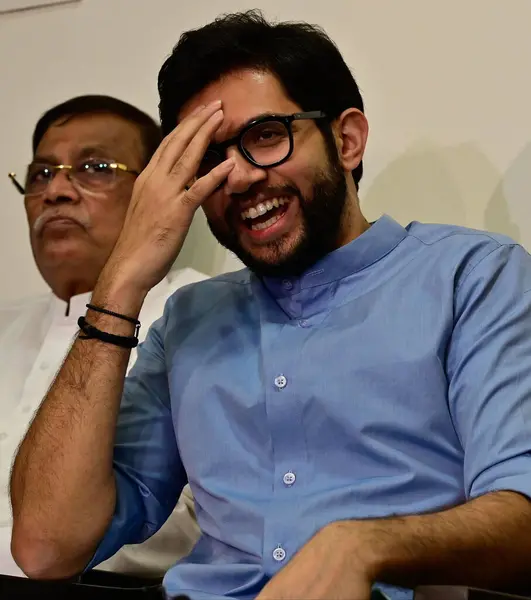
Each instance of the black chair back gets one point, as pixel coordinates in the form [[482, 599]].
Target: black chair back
[[19, 588]]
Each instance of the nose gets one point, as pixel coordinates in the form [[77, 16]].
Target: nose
[[243, 175], [61, 189]]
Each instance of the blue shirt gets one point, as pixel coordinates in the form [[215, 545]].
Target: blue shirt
[[392, 378]]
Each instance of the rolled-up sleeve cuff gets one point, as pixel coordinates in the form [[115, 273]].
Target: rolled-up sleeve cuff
[[512, 475]]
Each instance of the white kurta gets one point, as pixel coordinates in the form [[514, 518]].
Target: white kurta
[[35, 336]]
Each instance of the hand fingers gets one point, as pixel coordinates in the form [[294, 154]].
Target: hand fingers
[[187, 165], [183, 134], [155, 159], [167, 139], [206, 185]]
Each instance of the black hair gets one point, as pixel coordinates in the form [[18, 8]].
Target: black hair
[[150, 131], [305, 60]]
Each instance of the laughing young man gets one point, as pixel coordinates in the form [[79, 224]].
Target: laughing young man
[[352, 409]]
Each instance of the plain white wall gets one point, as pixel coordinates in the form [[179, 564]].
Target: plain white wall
[[446, 85]]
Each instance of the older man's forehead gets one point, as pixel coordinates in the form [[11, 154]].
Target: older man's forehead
[[85, 135]]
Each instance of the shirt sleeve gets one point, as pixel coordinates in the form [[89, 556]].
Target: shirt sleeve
[[489, 372], [147, 467], [174, 540]]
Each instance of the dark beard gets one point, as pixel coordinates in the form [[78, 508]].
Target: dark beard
[[321, 227]]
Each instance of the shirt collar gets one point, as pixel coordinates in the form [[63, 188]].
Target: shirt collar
[[372, 245], [65, 313]]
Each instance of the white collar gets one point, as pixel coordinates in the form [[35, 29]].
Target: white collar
[[62, 312]]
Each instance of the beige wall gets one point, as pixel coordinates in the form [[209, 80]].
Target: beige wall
[[446, 84]]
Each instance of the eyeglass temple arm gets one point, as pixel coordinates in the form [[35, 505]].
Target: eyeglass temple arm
[[124, 168], [13, 178], [313, 114]]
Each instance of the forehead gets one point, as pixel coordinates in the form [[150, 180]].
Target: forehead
[[244, 95], [70, 137]]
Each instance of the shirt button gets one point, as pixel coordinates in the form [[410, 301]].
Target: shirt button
[[44, 366], [287, 284], [279, 554], [281, 382], [289, 478], [3, 436], [303, 323]]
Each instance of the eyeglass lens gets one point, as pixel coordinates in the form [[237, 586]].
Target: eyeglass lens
[[92, 174], [266, 143]]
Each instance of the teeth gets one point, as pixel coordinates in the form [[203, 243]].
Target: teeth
[[262, 208], [260, 226]]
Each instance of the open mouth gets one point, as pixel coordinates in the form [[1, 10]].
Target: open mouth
[[265, 214]]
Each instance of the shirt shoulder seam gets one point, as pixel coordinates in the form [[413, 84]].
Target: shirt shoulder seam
[[484, 234], [481, 261]]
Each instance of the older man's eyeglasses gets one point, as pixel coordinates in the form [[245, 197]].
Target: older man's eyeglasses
[[264, 142], [92, 175]]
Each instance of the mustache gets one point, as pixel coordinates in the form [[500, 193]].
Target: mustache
[[50, 215]]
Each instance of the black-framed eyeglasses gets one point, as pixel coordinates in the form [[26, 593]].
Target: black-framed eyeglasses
[[93, 175], [264, 142]]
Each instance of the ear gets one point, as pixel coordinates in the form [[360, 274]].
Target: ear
[[351, 130]]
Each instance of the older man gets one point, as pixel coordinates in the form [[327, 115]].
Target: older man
[[87, 154]]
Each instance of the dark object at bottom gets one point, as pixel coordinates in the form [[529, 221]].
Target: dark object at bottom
[[464, 593], [94, 585]]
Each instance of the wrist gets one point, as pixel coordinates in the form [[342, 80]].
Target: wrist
[[365, 541], [118, 293]]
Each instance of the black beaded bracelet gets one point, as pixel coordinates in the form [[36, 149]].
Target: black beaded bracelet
[[92, 333]]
